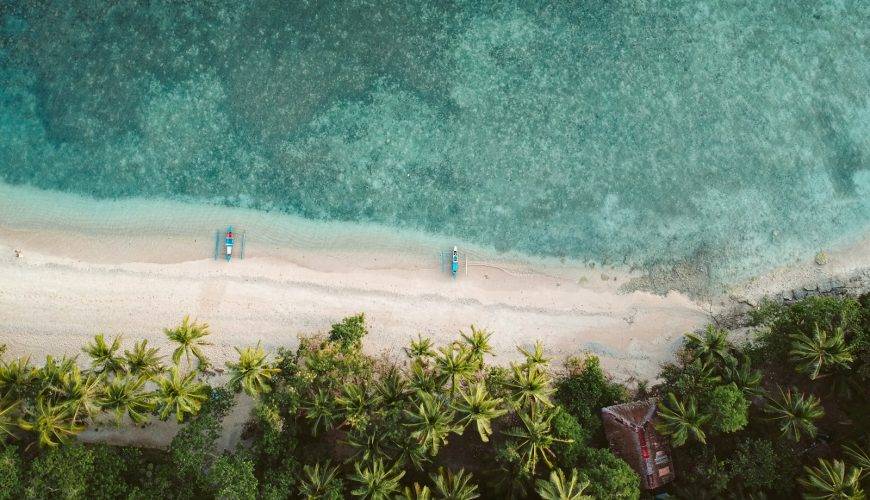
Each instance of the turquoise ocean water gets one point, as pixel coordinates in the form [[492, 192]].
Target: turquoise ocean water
[[731, 134]]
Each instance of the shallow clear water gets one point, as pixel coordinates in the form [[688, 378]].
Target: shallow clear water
[[731, 134]]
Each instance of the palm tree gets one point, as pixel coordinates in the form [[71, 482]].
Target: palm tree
[[478, 344], [679, 421], [49, 375], [79, 392], [124, 395], [454, 365], [478, 407], [376, 482], [180, 395], [832, 480], [52, 424], [392, 389], [420, 349], [450, 486], [744, 377], [104, 358], [819, 353], [536, 357], [795, 412], [356, 404], [530, 386], [190, 338], [143, 361], [320, 482], [416, 492], [368, 445], [535, 440], [422, 379], [252, 373], [321, 411], [7, 418], [561, 488], [713, 345], [860, 458], [16, 378], [431, 422]]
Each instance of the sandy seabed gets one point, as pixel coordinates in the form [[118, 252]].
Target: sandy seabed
[[135, 267]]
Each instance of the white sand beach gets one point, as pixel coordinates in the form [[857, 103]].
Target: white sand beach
[[135, 267]]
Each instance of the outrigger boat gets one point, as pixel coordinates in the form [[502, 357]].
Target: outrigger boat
[[451, 261], [226, 241]]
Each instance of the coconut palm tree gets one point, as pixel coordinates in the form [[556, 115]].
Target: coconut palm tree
[[561, 488], [321, 411], [529, 386], [356, 404], [859, 457], [16, 379], [818, 354], [431, 422], [535, 357], [143, 361], [478, 345], [454, 366], [832, 480], [744, 377], [408, 450], [320, 482], [190, 338], [416, 492], [52, 424], [478, 407], [49, 375], [679, 421], [392, 389], [8, 411], [422, 379], [252, 373], [376, 482], [124, 395], [712, 346], [368, 444], [450, 486], [104, 356], [182, 395], [421, 348], [80, 392], [795, 412], [534, 440]]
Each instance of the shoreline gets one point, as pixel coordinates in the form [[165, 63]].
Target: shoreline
[[78, 275]]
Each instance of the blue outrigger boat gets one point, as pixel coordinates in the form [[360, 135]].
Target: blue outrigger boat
[[451, 261], [225, 241]]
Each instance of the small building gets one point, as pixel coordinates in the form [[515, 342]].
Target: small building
[[630, 430]]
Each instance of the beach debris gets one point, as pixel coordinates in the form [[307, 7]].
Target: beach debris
[[821, 259], [17, 253]]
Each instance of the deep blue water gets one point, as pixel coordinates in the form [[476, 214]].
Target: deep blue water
[[735, 134]]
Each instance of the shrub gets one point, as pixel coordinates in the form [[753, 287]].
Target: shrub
[[61, 472], [757, 466], [349, 332], [10, 473], [565, 426], [585, 390], [232, 476], [609, 476], [728, 408]]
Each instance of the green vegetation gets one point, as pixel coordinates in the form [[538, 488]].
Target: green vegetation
[[777, 416]]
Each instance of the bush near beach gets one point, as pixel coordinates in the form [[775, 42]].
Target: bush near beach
[[782, 414]]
